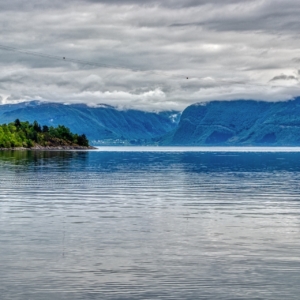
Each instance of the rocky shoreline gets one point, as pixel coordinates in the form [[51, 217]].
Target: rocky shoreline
[[51, 148]]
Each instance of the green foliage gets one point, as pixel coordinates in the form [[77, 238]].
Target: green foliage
[[24, 134]]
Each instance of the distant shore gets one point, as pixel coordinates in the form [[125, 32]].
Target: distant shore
[[50, 148]]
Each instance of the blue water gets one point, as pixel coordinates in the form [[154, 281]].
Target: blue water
[[176, 224]]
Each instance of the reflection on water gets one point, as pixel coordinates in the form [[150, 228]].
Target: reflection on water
[[33, 159], [149, 225]]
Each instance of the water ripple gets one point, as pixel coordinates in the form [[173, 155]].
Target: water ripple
[[149, 225]]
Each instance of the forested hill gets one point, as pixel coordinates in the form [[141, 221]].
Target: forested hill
[[103, 123], [238, 123], [27, 135]]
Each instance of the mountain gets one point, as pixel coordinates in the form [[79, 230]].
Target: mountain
[[238, 123], [102, 125], [223, 123]]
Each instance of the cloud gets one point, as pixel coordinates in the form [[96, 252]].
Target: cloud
[[141, 52], [284, 77]]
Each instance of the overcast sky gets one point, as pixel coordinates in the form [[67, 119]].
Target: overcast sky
[[140, 53]]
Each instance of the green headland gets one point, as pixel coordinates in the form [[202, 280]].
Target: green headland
[[34, 136]]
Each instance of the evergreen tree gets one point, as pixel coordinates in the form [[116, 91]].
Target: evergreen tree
[[17, 123], [82, 140]]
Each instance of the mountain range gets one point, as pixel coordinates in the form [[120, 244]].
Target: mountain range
[[103, 124], [238, 123], [222, 123]]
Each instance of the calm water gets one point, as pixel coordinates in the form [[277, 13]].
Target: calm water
[[149, 225]]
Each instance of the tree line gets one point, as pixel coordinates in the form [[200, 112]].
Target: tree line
[[25, 134]]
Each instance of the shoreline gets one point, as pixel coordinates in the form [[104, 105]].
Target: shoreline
[[49, 148]]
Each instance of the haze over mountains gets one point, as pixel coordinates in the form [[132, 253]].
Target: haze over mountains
[[226, 123]]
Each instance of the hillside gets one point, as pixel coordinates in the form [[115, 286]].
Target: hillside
[[25, 135], [102, 125], [240, 123]]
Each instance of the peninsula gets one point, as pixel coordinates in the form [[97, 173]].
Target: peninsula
[[25, 135]]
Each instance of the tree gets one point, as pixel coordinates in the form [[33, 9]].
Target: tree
[[37, 127], [17, 123], [82, 140]]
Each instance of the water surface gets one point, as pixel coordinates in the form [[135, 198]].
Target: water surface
[[172, 224]]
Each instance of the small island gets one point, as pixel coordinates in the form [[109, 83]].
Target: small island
[[25, 135]]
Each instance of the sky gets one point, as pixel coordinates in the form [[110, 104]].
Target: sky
[[150, 55]]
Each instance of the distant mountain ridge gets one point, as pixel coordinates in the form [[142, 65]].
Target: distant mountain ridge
[[102, 125], [238, 123], [216, 123]]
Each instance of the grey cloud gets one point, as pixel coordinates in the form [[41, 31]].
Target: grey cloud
[[274, 17], [167, 3], [20, 5], [141, 52], [284, 77]]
